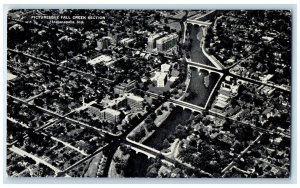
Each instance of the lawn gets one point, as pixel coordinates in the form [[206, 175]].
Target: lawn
[[159, 90]]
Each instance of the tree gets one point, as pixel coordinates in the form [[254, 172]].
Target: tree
[[120, 166], [139, 115], [171, 138], [180, 132], [160, 157], [172, 106], [152, 172], [166, 94], [128, 108], [125, 149], [166, 144], [148, 120], [147, 74], [197, 162], [166, 21], [187, 156], [139, 134], [159, 112], [151, 126], [157, 16], [153, 116], [226, 125], [165, 108], [38, 102], [193, 143]]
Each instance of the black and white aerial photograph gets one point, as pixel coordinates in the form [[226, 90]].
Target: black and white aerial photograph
[[151, 93]]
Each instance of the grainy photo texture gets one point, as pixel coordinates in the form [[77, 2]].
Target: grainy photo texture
[[148, 93]]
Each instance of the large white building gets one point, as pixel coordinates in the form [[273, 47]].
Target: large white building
[[152, 40], [110, 115], [124, 87], [107, 60], [167, 42], [135, 102], [127, 41], [161, 79], [165, 67]]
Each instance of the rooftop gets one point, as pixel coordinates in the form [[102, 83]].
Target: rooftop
[[99, 59], [155, 36], [165, 67], [136, 98], [126, 40], [167, 38], [158, 76], [161, 75], [10, 76], [112, 111]]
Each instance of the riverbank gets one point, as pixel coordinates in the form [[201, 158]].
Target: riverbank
[[167, 128], [95, 166], [157, 122], [114, 171]]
